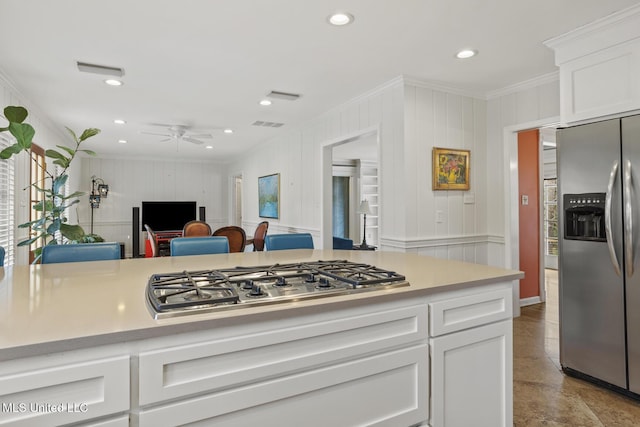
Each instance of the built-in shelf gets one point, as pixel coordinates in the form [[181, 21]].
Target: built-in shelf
[[369, 192]]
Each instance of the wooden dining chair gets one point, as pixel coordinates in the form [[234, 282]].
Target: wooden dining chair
[[196, 228], [236, 235], [258, 236]]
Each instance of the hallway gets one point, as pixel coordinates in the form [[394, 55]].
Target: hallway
[[543, 395]]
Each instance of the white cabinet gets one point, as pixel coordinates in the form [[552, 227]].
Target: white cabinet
[[472, 360], [599, 68], [357, 366], [59, 393]]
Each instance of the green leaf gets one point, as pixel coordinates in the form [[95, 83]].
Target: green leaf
[[55, 154], [28, 241], [88, 133], [59, 183], [23, 133], [15, 114], [89, 152], [53, 227], [62, 163], [10, 151], [74, 194], [71, 151], [73, 134], [71, 232]]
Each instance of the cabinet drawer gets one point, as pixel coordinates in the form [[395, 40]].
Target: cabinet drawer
[[456, 314], [385, 390], [65, 394], [180, 371]]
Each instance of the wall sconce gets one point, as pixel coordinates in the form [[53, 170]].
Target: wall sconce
[[99, 190], [365, 210]]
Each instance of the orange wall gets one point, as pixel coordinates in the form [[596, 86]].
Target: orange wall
[[529, 185]]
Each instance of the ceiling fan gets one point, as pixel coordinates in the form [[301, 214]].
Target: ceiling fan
[[179, 133]]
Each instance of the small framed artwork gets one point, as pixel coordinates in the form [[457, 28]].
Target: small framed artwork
[[269, 196], [450, 169]]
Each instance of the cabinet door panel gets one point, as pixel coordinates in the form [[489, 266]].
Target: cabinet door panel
[[472, 377]]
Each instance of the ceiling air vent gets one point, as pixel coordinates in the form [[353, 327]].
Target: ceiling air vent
[[267, 124], [283, 95], [100, 69]]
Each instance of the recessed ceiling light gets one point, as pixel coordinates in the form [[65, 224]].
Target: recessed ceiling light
[[265, 102], [119, 121], [122, 141], [228, 131], [209, 147], [113, 82], [340, 18], [466, 53]]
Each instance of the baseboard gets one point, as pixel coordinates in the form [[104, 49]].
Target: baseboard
[[530, 301]]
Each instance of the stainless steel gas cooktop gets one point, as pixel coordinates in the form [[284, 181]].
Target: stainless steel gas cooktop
[[191, 292]]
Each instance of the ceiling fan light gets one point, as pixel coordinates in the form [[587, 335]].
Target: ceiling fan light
[[209, 147]]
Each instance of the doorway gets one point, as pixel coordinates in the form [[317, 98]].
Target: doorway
[[342, 158], [236, 211]]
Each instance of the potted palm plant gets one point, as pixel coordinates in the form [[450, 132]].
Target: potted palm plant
[[52, 226]]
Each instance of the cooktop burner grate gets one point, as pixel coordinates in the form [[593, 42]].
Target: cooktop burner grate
[[172, 294]]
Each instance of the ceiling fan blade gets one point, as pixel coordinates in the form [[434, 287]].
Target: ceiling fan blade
[[192, 140], [201, 135], [155, 133], [166, 140]]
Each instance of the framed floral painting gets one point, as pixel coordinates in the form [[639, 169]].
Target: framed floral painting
[[451, 169]]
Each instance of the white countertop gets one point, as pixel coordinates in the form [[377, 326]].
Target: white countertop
[[55, 307]]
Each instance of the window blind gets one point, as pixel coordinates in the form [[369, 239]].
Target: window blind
[[7, 196]]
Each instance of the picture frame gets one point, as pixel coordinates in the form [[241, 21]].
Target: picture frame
[[269, 196], [451, 169]]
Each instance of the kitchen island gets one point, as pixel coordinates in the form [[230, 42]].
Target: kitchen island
[[78, 343]]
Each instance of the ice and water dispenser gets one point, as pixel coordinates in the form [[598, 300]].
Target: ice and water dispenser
[[584, 217]]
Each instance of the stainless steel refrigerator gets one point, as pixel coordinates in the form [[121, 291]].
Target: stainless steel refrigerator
[[599, 268]]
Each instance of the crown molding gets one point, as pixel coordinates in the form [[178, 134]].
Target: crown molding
[[442, 87], [525, 85]]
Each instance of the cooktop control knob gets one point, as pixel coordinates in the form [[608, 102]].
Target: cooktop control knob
[[247, 284], [256, 291], [324, 282]]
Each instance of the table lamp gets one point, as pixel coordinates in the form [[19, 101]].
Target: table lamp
[[364, 209]]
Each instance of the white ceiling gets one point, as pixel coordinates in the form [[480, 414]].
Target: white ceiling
[[207, 63]]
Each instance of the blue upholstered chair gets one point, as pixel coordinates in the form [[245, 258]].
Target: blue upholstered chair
[[181, 246], [276, 242], [52, 254], [1, 256], [342, 243]]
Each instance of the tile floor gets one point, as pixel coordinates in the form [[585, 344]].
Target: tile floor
[[543, 395]]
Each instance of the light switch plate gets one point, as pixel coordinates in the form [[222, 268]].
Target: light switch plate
[[525, 200]]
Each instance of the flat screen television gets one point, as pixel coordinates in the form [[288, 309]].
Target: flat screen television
[[167, 216]]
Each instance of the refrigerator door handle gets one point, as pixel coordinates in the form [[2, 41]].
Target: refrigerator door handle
[[607, 218], [628, 220]]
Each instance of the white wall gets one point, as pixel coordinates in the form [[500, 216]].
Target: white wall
[[133, 180], [527, 105], [412, 117], [297, 157], [438, 118]]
